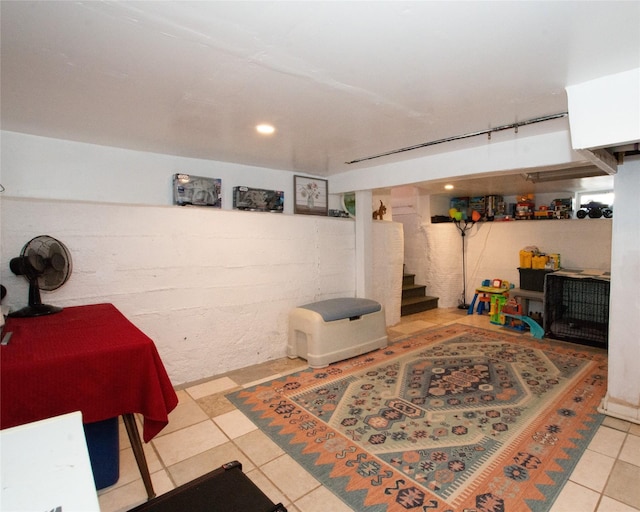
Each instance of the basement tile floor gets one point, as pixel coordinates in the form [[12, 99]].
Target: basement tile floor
[[206, 431]]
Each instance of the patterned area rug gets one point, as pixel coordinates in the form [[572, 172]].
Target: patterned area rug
[[453, 419]]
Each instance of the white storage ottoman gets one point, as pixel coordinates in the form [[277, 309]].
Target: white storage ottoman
[[335, 329]]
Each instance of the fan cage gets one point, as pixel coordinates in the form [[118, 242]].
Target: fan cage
[[51, 279], [45, 263]]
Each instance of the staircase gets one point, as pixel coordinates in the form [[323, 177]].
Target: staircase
[[414, 297]]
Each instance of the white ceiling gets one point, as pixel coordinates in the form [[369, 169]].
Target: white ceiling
[[339, 80]]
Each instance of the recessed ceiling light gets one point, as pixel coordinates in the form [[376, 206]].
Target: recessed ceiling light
[[448, 187], [265, 129]]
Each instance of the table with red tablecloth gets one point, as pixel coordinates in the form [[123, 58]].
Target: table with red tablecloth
[[87, 358]]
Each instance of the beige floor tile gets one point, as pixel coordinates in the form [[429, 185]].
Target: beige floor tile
[[415, 326], [394, 335], [193, 444], [287, 365], [268, 488], [258, 447], [262, 371], [123, 498], [123, 437], [261, 381], [321, 500], [161, 482], [592, 470], [281, 471], [211, 387], [129, 470], [607, 441], [216, 404], [187, 413], [631, 451], [575, 498], [623, 484], [234, 424], [618, 424], [205, 462], [610, 505], [189, 441]]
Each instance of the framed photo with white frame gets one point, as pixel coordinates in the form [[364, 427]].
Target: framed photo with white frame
[[311, 196]]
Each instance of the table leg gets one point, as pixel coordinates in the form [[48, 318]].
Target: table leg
[[138, 452]]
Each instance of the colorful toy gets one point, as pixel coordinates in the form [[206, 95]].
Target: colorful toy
[[508, 313], [525, 207], [594, 210], [485, 293]]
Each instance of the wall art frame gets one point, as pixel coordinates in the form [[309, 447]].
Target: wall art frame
[[311, 196]]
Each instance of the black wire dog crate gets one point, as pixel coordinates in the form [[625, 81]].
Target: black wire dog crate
[[576, 307]]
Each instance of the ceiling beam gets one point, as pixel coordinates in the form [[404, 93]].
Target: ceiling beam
[[601, 158]]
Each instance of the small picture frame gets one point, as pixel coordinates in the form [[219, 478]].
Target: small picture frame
[[311, 196]]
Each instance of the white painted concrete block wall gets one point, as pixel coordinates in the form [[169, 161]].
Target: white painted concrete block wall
[[212, 288], [388, 251], [492, 251]]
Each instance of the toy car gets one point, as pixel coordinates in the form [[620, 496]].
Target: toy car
[[594, 210]]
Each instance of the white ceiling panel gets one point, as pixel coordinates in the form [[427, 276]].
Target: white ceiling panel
[[339, 80]]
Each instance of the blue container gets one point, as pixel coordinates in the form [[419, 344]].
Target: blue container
[[104, 451]]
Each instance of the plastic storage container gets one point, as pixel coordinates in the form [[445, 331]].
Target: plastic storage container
[[525, 259], [533, 279], [104, 451]]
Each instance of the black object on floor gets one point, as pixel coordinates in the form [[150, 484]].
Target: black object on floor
[[226, 489]]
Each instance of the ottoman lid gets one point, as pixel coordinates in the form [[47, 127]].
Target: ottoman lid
[[337, 309]]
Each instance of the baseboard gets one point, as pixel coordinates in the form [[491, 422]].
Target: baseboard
[[619, 410]]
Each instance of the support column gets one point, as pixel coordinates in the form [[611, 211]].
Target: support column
[[364, 244], [623, 393]]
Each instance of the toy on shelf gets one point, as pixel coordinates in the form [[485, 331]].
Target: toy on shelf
[[507, 312], [543, 213], [525, 207], [562, 208], [595, 210]]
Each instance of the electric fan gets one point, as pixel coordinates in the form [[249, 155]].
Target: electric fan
[[46, 263]]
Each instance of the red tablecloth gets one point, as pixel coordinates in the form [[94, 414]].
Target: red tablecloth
[[87, 358]]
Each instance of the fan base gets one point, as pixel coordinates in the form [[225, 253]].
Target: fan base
[[35, 310]]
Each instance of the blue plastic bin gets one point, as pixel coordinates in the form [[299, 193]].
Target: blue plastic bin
[[104, 451]]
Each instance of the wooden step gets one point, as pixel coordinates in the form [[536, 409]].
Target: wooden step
[[408, 279], [414, 305], [413, 290]]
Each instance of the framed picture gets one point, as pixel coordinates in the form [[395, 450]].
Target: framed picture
[[312, 196]]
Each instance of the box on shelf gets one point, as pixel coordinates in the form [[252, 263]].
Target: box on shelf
[[477, 204], [258, 200], [196, 190], [461, 204], [533, 279]]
